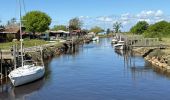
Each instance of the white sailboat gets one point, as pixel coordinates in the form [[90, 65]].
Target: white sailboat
[[28, 71]]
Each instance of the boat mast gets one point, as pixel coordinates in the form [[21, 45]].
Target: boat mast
[[21, 40]]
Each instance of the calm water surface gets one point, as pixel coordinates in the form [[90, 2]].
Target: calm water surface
[[94, 72]]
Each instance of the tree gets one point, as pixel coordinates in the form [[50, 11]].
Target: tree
[[117, 26], [36, 21], [75, 24], [96, 29], [158, 29], [60, 27], [140, 27], [11, 22], [108, 31]]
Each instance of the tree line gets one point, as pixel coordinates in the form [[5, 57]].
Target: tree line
[[37, 21], [157, 30]]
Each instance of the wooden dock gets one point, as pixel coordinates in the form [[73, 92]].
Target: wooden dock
[[139, 41]]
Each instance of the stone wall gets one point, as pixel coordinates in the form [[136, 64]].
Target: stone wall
[[157, 57]]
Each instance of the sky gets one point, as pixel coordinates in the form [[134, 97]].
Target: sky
[[101, 13]]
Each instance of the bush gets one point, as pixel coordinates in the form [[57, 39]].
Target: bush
[[157, 53], [10, 37]]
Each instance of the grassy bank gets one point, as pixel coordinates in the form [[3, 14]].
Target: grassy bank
[[26, 43], [165, 41]]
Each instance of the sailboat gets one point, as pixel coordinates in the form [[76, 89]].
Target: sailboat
[[29, 71]]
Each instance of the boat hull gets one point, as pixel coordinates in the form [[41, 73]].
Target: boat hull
[[24, 79], [119, 46], [95, 38]]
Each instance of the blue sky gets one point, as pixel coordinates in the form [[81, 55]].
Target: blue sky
[[93, 12]]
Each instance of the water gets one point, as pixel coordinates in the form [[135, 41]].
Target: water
[[95, 72]]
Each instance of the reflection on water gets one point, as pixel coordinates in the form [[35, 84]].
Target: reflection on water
[[8, 92], [94, 71]]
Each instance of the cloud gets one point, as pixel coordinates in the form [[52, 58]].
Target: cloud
[[127, 19], [104, 19], [151, 16], [84, 17], [159, 13]]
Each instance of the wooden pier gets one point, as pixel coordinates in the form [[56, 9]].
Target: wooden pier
[[13, 56], [5, 59], [133, 41]]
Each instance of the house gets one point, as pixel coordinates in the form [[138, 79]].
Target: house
[[7, 34], [60, 34], [76, 33], [44, 36]]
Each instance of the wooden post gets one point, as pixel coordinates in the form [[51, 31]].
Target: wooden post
[[14, 55], [1, 63], [6, 75]]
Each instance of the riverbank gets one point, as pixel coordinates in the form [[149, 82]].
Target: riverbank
[[50, 50], [159, 58]]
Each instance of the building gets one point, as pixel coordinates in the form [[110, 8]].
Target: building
[[60, 34], [7, 34]]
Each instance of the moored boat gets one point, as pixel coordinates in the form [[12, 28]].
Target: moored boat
[[96, 38], [119, 46], [28, 71], [26, 74], [114, 41]]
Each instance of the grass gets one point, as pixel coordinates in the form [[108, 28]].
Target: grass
[[26, 43], [166, 41]]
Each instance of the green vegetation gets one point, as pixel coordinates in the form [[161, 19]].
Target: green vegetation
[[11, 22], [96, 29], [117, 26], [157, 30], [139, 28], [27, 43], [75, 24], [157, 53], [59, 27], [36, 21]]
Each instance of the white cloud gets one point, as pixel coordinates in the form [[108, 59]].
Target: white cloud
[[84, 17], [147, 20], [159, 13], [104, 19], [150, 14], [145, 14], [127, 19]]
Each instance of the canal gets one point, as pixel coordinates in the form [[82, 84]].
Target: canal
[[95, 72]]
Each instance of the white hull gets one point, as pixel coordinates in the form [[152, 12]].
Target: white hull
[[119, 46], [114, 41], [96, 38], [26, 74]]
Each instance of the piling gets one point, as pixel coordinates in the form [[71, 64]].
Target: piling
[[1, 64]]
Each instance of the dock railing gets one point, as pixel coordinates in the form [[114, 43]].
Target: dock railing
[[139, 41]]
